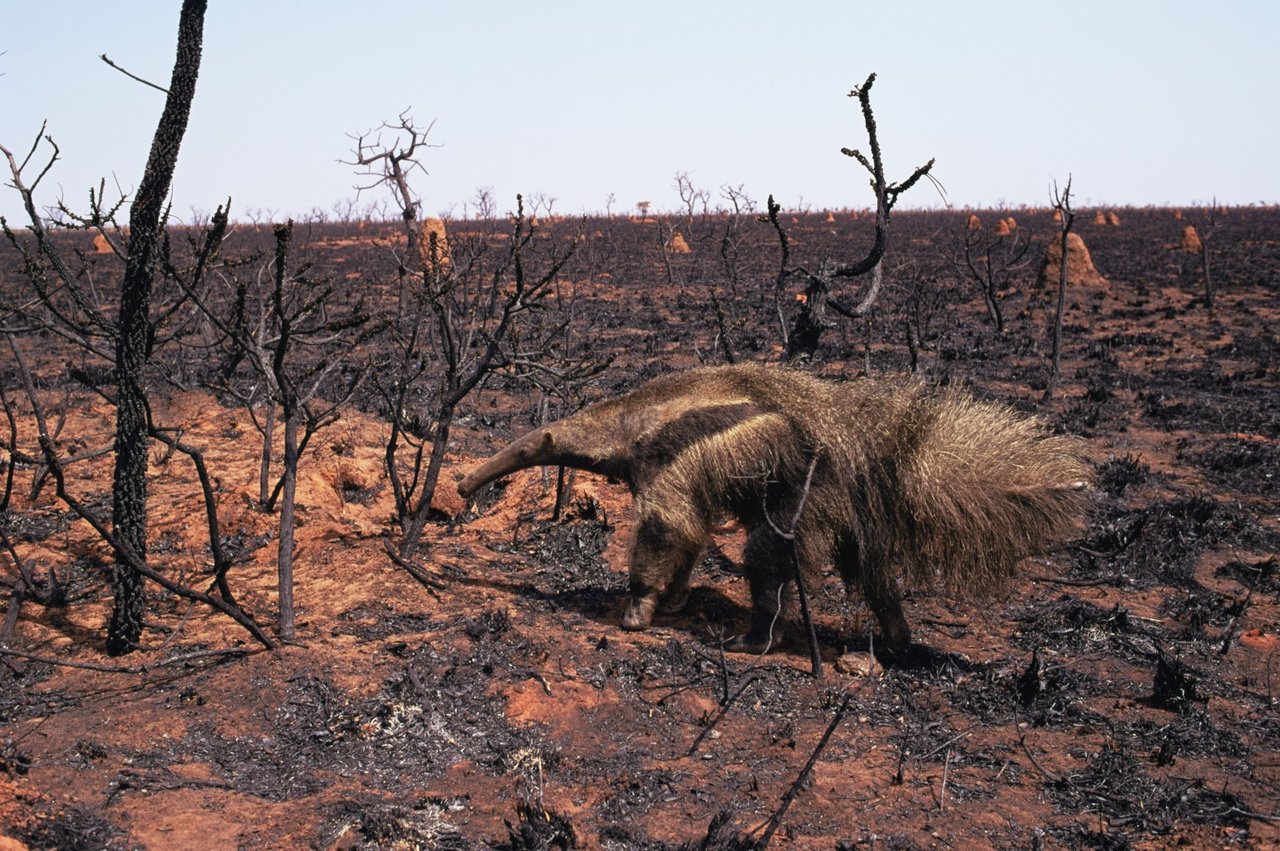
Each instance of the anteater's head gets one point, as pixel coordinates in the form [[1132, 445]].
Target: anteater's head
[[534, 449]]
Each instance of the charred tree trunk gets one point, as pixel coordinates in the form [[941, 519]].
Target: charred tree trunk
[[289, 408], [435, 463], [802, 342], [12, 448], [1062, 203], [133, 344], [284, 561]]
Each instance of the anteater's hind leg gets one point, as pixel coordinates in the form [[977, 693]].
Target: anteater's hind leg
[[885, 602], [870, 574], [662, 558]]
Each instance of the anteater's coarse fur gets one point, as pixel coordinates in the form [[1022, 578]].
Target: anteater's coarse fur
[[927, 487]]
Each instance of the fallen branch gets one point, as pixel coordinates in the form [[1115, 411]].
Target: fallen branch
[[1253, 815], [180, 659], [948, 743], [427, 581], [776, 818], [1078, 583], [724, 708]]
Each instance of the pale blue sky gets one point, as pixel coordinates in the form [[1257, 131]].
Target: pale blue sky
[[1171, 102]]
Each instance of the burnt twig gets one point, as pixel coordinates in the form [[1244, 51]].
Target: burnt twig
[[776, 818], [724, 709], [220, 563], [1230, 633], [180, 659], [131, 76], [942, 793], [815, 657], [1022, 741]]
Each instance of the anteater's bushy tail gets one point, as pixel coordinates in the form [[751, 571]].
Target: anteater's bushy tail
[[984, 486]]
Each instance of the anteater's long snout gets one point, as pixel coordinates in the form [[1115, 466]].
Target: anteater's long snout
[[531, 450]]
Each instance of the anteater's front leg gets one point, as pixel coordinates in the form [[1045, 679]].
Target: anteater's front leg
[[662, 557]]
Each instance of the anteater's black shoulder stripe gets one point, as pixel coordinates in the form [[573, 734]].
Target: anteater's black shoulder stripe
[[664, 444]]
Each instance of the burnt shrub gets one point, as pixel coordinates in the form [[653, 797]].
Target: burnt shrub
[[1116, 475], [1161, 542], [1251, 467]]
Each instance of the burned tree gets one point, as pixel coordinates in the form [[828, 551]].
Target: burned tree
[[133, 341], [131, 335], [810, 322], [1066, 217], [269, 323], [456, 315], [1208, 224], [989, 259], [300, 315]]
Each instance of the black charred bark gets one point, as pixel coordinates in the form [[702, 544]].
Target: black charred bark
[[135, 334]]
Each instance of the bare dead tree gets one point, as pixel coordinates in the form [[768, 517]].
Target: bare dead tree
[[691, 197], [61, 300], [391, 164], [729, 317], [921, 303], [666, 238], [288, 397], [1208, 224], [1062, 204], [542, 204], [990, 261], [482, 324], [785, 270], [292, 312], [456, 325], [132, 334], [810, 321], [740, 205], [134, 340]]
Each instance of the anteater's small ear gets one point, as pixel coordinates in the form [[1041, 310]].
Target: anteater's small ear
[[548, 440]]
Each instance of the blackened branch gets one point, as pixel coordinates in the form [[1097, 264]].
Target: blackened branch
[[777, 817], [104, 58]]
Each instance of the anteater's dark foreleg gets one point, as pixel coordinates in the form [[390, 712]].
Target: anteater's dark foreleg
[[662, 558]]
